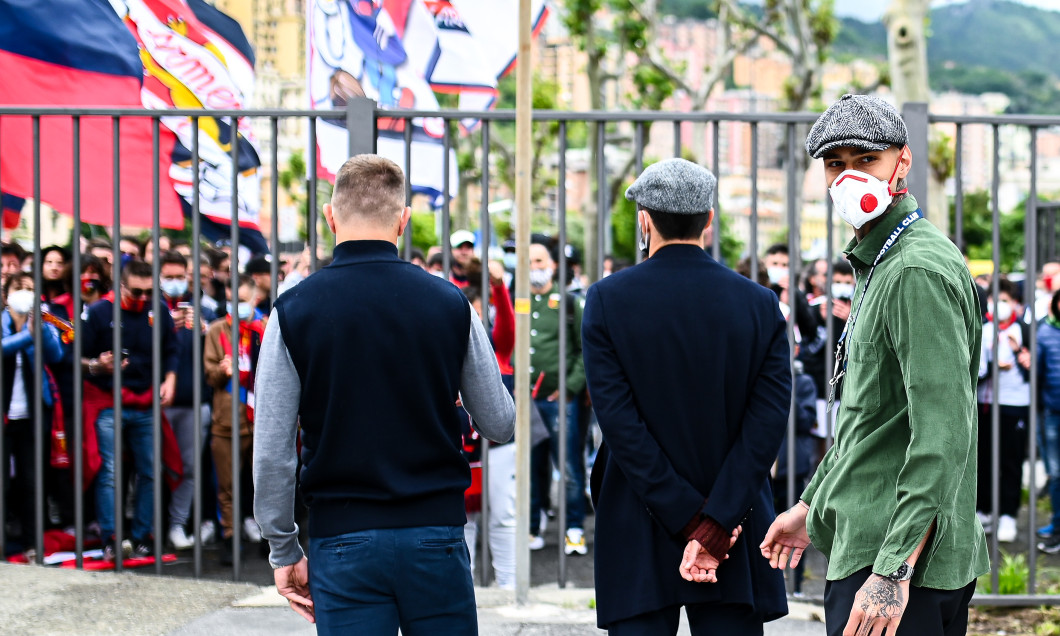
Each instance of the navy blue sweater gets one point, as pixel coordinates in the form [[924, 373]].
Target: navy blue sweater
[[379, 347], [136, 335]]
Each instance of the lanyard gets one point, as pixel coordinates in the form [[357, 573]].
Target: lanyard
[[841, 349]]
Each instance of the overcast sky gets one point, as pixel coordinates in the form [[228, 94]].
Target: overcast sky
[[871, 10]]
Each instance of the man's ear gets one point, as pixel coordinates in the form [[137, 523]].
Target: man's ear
[[710, 218], [905, 162], [329, 216], [403, 223]]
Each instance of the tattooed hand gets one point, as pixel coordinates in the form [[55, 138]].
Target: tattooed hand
[[878, 606]]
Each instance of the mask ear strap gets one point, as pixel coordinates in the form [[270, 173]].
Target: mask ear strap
[[894, 172]]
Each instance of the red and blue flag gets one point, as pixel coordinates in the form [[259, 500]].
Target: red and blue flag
[[77, 53]]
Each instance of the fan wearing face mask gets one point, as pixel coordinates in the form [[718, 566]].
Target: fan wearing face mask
[[19, 402], [1013, 397], [221, 361], [892, 503]]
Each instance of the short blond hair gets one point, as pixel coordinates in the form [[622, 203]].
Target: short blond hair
[[368, 188]]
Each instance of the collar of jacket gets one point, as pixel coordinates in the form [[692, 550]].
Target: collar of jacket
[[866, 251], [679, 250], [349, 252]]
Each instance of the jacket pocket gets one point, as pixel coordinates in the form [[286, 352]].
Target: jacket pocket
[[861, 384]]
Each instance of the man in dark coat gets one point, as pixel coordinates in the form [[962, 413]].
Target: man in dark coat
[[688, 368]]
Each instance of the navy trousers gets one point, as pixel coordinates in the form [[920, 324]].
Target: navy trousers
[[704, 619], [374, 581]]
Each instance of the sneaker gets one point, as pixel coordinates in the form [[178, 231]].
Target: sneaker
[[544, 522], [986, 520], [251, 530], [537, 542], [1006, 529], [1050, 545], [207, 531], [180, 539], [575, 542], [110, 554], [143, 548], [1045, 531]]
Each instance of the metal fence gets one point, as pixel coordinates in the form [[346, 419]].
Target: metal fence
[[361, 118]]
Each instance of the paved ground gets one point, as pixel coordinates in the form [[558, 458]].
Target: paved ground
[[53, 601]]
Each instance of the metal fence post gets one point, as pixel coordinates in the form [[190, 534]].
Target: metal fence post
[[915, 115], [361, 126]]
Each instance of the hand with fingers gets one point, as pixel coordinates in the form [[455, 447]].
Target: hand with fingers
[[292, 582], [786, 538], [698, 565], [878, 607]]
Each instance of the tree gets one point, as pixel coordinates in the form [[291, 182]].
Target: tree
[[978, 226]]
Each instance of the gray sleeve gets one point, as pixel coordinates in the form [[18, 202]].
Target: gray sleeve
[[481, 390], [277, 392]]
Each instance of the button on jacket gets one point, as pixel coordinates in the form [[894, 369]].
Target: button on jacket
[[905, 449]]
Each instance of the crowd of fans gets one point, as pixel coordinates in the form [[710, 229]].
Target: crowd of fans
[[101, 284]]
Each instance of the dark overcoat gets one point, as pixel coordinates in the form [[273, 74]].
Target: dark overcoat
[[688, 370]]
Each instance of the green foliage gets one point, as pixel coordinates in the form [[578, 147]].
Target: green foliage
[[695, 9], [424, 234], [978, 230], [731, 245], [1012, 51], [1013, 574], [624, 228]]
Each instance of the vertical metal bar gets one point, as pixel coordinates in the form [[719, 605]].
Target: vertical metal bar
[[156, 346], [38, 361], [958, 176], [274, 230], [677, 139], [486, 236], [1030, 228], [562, 422], [78, 416], [196, 342], [829, 355], [119, 518], [237, 500], [794, 266], [603, 230], [754, 201], [312, 215], [447, 227], [561, 219], [715, 244], [638, 167], [407, 244], [995, 405]]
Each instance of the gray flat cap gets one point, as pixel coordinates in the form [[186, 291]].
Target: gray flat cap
[[676, 186], [860, 121]]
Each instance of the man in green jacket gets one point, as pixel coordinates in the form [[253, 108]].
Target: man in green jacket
[[892, 504], [547, 313]]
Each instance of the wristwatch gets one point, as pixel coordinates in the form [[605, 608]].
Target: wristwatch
[[903, 573]]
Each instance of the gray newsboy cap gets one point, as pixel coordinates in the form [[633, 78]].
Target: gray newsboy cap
[[676, 186], [860, 121]]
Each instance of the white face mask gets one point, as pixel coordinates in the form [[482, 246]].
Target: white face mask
[[776, 274], [1004, 311], [860, 197], [842, 291], [20, 301], [540, 277]]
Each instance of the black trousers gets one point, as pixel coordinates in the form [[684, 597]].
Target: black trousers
[[929, 612], [1013, 450], [705, 619]]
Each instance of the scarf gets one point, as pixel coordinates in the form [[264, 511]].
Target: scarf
[[246, 357]]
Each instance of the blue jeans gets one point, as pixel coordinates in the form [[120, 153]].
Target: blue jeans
[[139, 429], [1051, 454], [575, 489], [375, 581]]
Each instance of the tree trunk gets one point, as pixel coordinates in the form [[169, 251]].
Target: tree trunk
[[591, 257], [907, 54]]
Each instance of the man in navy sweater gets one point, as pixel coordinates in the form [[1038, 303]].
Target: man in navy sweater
[[137, 329], [382, 472]]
